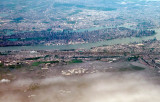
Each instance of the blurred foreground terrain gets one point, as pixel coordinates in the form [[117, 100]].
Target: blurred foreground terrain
[[123, 72]]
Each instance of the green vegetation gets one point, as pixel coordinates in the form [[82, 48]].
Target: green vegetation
[[1, 64], [12, 39], [49, 30], [17, 20], [47, 56], [64, 19], [14, 66], [35, 39], [7, 31], [43, 62], [71, 22], [56, 56], [3, 53], [45, 22], [34, 58], [132, 68], [133, 58], [76, 61], [137, 68]]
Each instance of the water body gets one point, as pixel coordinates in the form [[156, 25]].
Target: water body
[[85, 45]]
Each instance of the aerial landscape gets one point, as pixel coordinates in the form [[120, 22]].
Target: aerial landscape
[[79, 51]]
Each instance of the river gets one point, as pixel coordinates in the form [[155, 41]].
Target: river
[[85, 45]]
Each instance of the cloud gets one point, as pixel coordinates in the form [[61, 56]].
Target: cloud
[[104, 87]]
